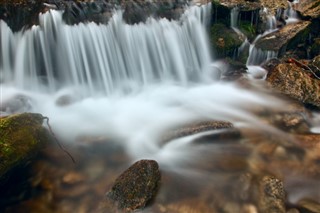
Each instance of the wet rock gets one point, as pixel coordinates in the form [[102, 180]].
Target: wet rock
[[72, 178], [21, 137], [20, 13], [185, 206], [17, 104], [136, 186], [271, 195], [314, 65], [293, 80], [308, 206], [274, 5], [315, 47], [285, 38], [225, 40], [196, 128], [309, 8], [291, 122], [97, 11], [235, 70]]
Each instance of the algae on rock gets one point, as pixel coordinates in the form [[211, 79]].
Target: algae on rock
[[21, 137]]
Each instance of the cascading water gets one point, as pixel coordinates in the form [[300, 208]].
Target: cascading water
[[290, 13], [104, 58], [154, 68], [258, 56], [131, 84]]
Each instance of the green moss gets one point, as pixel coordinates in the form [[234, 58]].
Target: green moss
[[21, 136], [247, 29], [224, 40]]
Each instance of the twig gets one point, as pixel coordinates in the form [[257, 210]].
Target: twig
[[57, 141], [304, 66]]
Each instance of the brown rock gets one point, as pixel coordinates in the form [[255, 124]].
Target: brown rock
[[284, 38], [136, 186], [309, 206], [309, 8], [296, 82], [271, 195]]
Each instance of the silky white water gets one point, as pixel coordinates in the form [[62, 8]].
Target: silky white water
[[132, 84], [128, 82]]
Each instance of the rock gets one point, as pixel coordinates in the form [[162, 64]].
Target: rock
[[309, 8], [136, 186], [293, 80], [308, 206], [225, 40], [271, 195], [16, 104], [21, 137], [196, 128], [274, 5], [291, 122], [315, 65], [20, 13], [315, 47], [185, 206], [285, 38]]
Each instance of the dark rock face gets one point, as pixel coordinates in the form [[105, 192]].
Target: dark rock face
[[19, 14], [295, 81], [136, 186]]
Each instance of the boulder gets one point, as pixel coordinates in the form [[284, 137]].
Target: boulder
[[309, 8], [295, 81], [136, 186], [225, 40], [21, 137], [285, 38]]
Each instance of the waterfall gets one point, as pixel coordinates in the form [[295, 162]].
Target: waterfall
[[234, 15], [105, 58], [258, 56], [290, 13]]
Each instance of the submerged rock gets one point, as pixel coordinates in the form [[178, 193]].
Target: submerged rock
[[21, 137], [136, 186], [309, 206]]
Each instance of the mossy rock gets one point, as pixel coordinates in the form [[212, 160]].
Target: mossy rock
[[225, 41], [21, 137]]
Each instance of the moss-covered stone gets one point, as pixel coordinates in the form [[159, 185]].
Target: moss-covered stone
[[21, 136], [225, 41]]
